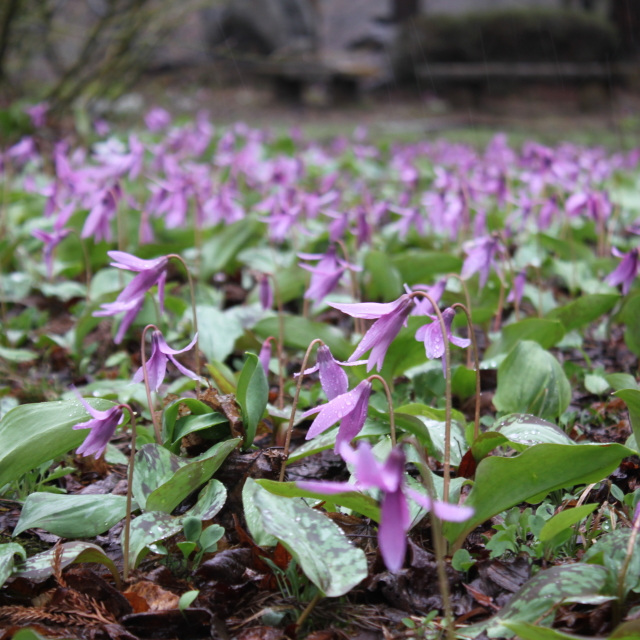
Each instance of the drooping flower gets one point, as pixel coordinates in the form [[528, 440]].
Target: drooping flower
[[265, 293], [102, 424], [422, 305], [131, 299], [390, 318], [53, 239], [626, 271], [157, 119], [157, 363], [333, 379], [431, 335], [515, 295], [265, 354], [480, 258], [389, 477], [349, 408], [103, 211], [38, 114]]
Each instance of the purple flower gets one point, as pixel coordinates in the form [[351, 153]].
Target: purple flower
[[333, 379], [52, 240], [480, 257], [422, 305], [103, 425], [98, 222], [626, 271], [157, 119], [350, 408], [265, 293], [391, 316], [130, 300], [431, 335], [515, 295], [38, 114], [157, 363], [389, 477], [265, 354]]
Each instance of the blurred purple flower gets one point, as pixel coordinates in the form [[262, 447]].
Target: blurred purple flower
[[38, 114], [431, 335], [157, 363], [515, 295], [98, 222], [53, 239], [626, 271], [480, 258], [265, 292], [389, 477], [422, 305], [157, 119], [23, 151], [265, 354], [102, 424], [350, 408], [390, 318]]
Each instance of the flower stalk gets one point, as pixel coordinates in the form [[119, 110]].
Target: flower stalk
[[392, 419], [296, 397], [127, 522], [145, 372]]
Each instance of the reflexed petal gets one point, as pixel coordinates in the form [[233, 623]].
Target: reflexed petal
[[183, 370], [444, 510], [392, 530], [328, 488], [128, 319], [333, 379], [165, 348], [265, 355], [353, 422], [98, 415], [392, 472], [133, 263], [141, 283], [368, 310]]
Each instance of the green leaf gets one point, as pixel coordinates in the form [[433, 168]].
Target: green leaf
[[382, 279], [462, 560], [76, 516], [218, 332], [537, 599], [584, 310], [31, 434], [528, 631], [210, 537], [7, 560], [502, 483], [170, 415], [187, 478], [299, 332], [17, 355], [192, 527], [187, 599], [626, 631], [355, 500], [189, 424], [595, 383], [546, 333], [417, 267], [40, 567], [485, 443], [632, 400], [149, 528], [222, 377], [531, 380], [30, 634], [210, 501], [317, 544], [524, 430], [252, 395], [564, 520], [252, 515], [621, 381], [629, 315], [218, 254]]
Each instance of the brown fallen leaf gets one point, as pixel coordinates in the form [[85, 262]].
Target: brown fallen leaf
[[157, 598]]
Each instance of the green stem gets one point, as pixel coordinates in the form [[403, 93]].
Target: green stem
[[143, 357], [627, 561], [447, 365], [474, 345], [127, 522], [287, 441], [392, 419], [357, 322], [307, 612], [467, 302], [276, 290]]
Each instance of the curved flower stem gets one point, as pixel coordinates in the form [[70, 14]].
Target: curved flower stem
[[357, 323], [192, 291], [127, 522], [627, 561], [143, 358], [287, 441], [276, 291], [507, 258], [309, 608], [87, 262], [439, 542], [447, 365], [467, 302], [392, 420], [498, 321], [474, 344]]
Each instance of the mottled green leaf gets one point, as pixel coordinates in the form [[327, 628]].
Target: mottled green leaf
[[17, 355], [502, 483], [252, 515], [210, 501], [40, 566], [319, 546], [75, 516], [7, 560], [525, 430], [252, 395], [149, 528], [354, 500], [31, 434]]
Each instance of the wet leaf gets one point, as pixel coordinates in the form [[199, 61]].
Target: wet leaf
[[149, 528], [319, 546], [546, 333], [252, 515], [252, 395], [564, 520], [525, 430], [76, 516], [210, 501], [7, 560]]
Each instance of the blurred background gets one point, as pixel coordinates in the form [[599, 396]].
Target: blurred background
[[547, 68]]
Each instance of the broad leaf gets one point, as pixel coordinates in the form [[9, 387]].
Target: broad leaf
[[502, 483], [252, 515], [632, 400], [319, 546], [537, 599], [31, 434], [190, 424], [77, 516], [524, 430], [210, 501], [149, 528], [217, 332], [546, 333], [565, 519], [7, 560], [417, 267], [531, 380], [354, 500], [252, 395], [528, 631], [584, 310], [171, 411], [41, 566]]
